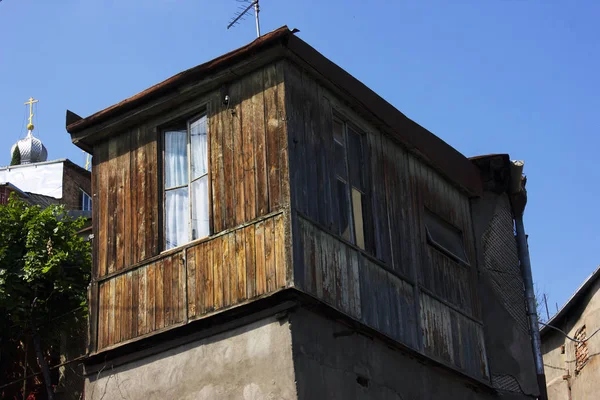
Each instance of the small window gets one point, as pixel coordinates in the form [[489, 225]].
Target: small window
[[186, 183], [350, 182], [445, 237], [581, 350], [86, 201]]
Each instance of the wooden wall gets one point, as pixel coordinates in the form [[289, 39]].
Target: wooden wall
[[249, 184], [248, 169], [403, 287], [186, 284]]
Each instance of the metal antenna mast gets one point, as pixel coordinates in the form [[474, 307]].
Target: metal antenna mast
[[240, 15]]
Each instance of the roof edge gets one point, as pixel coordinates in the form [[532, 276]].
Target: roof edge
[[575, 297], [74, 125]]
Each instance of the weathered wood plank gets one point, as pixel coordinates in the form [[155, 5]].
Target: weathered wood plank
[[250, 261], [329, 211], [142, 308], [159, 313], [240, 262], [248, 168], [198, 293], [237, 178], [112, 320], [168, 290], [208, 268], [313, 167], [104, 314], [151, 298], [295, 129], [270, 255], [225, 261], [135, 302], [233, 275], [152, 194], [280, 249], [101, 208], [217, 251], [111, 227], [274, 135], [216, 166], [260, 150], [192, 295], [261, 271], [229, 169], [182, 299], [284, 169]]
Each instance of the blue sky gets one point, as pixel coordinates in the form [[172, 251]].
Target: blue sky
[[487, 76]]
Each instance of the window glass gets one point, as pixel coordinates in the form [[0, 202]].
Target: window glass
[[200, 226], [357, 214], [355, 159], [338, 131], [177, 217], [340, 160], [199, 159], [344, 209], [176, 163], [86, 201], [445, 237]]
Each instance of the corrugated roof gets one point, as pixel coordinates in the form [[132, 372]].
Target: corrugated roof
[[438, 153]]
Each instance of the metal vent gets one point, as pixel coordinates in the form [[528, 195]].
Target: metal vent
[[501, 262], [506, 382]]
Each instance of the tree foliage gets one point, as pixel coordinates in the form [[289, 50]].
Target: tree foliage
[[16, 156], [44, 272]]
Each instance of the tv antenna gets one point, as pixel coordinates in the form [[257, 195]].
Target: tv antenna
[[242, 11]]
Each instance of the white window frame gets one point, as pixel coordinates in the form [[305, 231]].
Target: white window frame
[[174, 127], [85, 196]]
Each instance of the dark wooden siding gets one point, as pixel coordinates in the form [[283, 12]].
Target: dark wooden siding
[[403, 287], [244, 263]]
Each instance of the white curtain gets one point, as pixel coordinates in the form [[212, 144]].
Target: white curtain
[[200, 227], [176, 200], [176, 165], [198, 147], [176, 203]]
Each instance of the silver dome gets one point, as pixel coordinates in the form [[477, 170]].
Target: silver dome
[[31, 148]]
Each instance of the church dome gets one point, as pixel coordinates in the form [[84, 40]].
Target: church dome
[[31, 149]]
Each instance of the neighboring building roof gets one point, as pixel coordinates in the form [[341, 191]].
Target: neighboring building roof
[[557, 319], [438, 153], [41, 200], [13, 188]]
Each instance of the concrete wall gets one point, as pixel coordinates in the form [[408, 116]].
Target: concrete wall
[[251, 362], [333, 362], [562, 379]]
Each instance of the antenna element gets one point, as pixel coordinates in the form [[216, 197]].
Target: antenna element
[[241, 14]]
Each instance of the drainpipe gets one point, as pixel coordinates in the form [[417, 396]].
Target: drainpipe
[[518, 201]]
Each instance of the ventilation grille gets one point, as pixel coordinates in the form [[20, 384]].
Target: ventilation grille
[[506, 382]]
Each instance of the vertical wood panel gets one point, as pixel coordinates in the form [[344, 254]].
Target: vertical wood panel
[[209, 285], [228, 168], [231, 264], [260, 150], [270, 255], [159, 313], [274, 133], [261, 272], [216, 166], [142, 308], [135, 302], [151, 298], [167, 293], [250, 261], [248, 162], [237, 182], [217, 251], [192, 287], [182, 299], [226, 270], [312, 167], [280, 249], [240, 262], [199, 293]]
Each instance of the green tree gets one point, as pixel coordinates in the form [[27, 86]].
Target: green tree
[[44, 272], [16, 156]]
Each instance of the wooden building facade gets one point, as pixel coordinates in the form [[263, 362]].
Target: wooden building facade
[[313, 184]]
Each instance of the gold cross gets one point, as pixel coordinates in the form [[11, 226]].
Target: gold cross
[[31, 102]]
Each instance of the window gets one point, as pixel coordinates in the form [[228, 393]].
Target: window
[[186, 183], [445, 237], [86, 201], [350, 185], [581, 350]]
